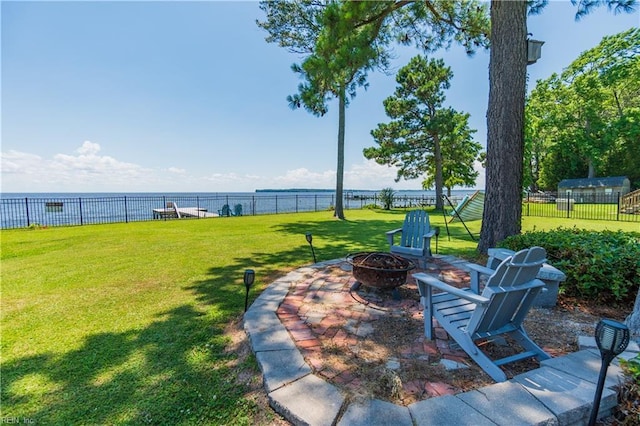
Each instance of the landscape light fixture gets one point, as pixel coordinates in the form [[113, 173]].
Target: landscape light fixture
[[249, 277], [309, 238], [612, 338], [534, 50]]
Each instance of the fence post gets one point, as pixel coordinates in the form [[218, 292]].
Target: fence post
[[126, 213], [315, 200], [198, 206], [618, 209], [296, 203], [26, 203], [568, 204], [80, 206]]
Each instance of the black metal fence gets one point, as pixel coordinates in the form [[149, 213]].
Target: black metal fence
[[64, 211], [571, 205]]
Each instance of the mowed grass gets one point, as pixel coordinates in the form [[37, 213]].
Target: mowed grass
[[124, 323]]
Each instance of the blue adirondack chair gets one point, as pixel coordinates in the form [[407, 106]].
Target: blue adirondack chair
[[415, 238], [225, 211], [500, 309]]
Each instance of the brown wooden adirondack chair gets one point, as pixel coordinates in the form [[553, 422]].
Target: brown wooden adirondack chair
[[415, 238], [500, 309]]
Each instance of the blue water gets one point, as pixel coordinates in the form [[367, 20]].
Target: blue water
[[25, 209]]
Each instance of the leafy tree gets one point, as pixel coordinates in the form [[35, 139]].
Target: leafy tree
[[344, 40], [505, 113], [585, 121], [423, 137], [338, 60], [435, 24], [386, 198]]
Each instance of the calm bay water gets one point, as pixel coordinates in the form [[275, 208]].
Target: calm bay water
[[54, 209]]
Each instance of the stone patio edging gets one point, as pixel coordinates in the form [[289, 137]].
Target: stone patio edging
[[560, 392]]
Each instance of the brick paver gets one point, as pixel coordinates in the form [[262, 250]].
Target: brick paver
[[324, 310]]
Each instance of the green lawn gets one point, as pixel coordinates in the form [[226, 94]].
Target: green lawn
[[124, 323]]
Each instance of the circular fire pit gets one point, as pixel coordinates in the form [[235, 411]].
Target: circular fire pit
[[380, 270]]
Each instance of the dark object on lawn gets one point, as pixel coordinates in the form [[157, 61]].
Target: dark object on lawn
[[249, 277], [380, 270], [309, 238], [612, 338]]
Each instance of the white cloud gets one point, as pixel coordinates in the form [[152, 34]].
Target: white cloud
[[363, 176], [304, 178], [16, 162], [87, 171], [88, 148], [371, 175], [177, 170]]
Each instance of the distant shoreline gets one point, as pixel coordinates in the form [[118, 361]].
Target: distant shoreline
[[295, 190], [346, 190]]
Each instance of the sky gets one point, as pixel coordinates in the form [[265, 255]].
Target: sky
[[189, 97]]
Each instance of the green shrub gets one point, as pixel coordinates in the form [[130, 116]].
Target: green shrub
[[386, 198], [601, 265]]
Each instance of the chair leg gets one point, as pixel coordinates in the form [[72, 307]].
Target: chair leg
[[427, 312], [525, 341], [486, 363], [488, 366], [470, 347]]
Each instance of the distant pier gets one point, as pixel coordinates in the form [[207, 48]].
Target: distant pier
[[174, 212]]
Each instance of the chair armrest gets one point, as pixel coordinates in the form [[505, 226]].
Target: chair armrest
[[480, 269], [474, 273], [391, 234], [430, 234], [436, 283]]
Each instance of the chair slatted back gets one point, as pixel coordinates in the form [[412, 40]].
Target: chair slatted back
[[511, 290], [416, 225]]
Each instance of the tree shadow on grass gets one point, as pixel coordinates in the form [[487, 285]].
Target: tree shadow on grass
[[331, 240], [177, 369], [164, 373]]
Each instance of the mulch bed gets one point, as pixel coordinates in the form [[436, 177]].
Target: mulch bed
[[361, 367]]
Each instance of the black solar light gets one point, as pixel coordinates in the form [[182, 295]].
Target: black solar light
[[249, 277], [612, 338], [309, 238]]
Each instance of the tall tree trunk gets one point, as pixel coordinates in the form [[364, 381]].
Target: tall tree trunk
[[505, 123], [592, 169], [339, 212], [437, 153], [633, 320]]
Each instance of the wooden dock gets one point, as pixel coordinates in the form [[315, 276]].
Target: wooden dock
[[172, 211]]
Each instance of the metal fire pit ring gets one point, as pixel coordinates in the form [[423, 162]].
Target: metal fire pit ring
[[385, 271]]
